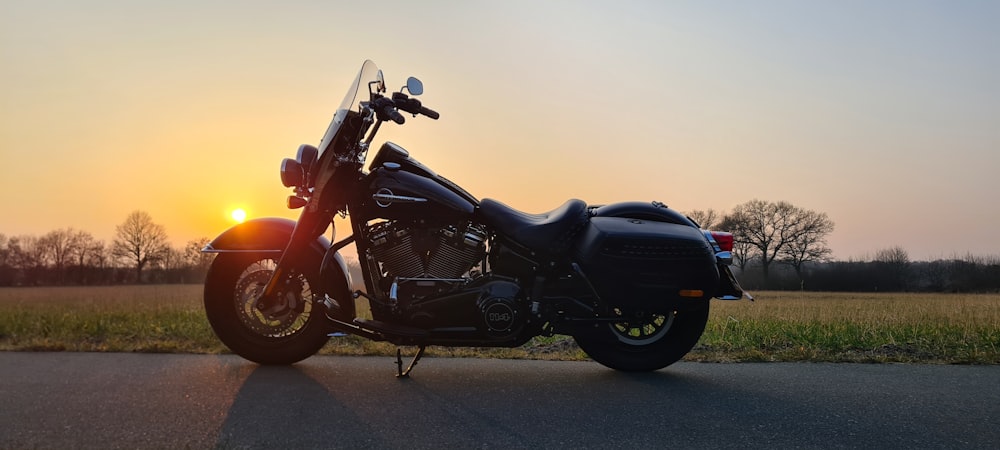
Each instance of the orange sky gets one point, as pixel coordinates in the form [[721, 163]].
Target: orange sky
[[884, 115]]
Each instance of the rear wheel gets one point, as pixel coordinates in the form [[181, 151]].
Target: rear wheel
[[232, 288], [645, 342]]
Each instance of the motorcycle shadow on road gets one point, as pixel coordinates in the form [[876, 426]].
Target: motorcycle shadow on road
[[283, 407], [323, 402]]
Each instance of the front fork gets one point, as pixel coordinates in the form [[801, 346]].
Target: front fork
[[310, 225]]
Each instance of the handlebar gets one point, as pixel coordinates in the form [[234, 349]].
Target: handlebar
[[385, 109], [412, 105], [396, 116], [429, 113]]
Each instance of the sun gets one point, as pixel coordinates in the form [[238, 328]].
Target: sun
[[239, 215]]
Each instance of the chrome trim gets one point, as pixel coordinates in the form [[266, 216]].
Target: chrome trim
[[724, 258], [209, 249], [721, 257], [394, 287], [746, 295], [384, 197], [442, 280], [711, 240]]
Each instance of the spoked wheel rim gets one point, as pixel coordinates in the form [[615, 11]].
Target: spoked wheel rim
[[298, 298], [643, 331]]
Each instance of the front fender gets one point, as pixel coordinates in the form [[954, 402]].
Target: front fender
[[267, 235], [271, 235]]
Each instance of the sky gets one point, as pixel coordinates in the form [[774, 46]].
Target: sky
[[885, 115]]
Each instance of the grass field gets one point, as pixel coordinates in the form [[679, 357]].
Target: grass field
[[779, 326]]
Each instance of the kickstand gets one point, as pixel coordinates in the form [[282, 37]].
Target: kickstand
[[399, 362]]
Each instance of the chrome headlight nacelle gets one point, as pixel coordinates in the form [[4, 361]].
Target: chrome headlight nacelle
[[298, 173], [292, 173]]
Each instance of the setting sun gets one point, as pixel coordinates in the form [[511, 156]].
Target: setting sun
[[239, 215]]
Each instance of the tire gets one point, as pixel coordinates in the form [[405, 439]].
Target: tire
[[230, 293], [645, 345]]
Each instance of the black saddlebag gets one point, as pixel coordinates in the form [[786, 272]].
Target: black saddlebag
[[647, 265]]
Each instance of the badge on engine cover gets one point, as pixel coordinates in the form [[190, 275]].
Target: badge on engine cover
[[499, 316]]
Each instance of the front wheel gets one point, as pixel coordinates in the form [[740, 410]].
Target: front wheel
[[645, 343], [232, 288]]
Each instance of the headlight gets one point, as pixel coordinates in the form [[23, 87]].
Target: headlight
[[307, 156], [292, 173]]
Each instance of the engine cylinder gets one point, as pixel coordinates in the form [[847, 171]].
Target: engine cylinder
[[413, 252]]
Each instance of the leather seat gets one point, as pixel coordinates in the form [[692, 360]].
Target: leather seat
[[551, 232]]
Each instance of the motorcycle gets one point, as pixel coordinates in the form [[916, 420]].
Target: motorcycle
[[630, 282]]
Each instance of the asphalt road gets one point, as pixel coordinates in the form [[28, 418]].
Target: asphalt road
[[94, 400]]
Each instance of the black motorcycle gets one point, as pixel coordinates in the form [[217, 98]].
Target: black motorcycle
[[630, 282]]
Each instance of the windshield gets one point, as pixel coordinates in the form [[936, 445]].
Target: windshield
[[369, 77]]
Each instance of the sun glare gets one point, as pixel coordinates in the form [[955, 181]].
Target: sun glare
[[239, 215]]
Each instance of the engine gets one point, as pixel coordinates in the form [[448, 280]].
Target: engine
[[401, 250], [429, 276]]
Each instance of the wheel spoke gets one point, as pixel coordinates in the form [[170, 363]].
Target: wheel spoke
[[249, 286], [643, 332]]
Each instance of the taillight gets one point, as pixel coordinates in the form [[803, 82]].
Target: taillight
[[725, 240]]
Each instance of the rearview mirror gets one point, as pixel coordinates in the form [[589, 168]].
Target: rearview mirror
[[414, 86]]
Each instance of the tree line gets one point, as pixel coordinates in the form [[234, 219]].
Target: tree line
[[777, 245], [781, 246], [139, 253]]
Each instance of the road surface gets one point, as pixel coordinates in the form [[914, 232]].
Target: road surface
[[121, 400]]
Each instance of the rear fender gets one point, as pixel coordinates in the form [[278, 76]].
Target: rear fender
[[654, 211], [728, 288]]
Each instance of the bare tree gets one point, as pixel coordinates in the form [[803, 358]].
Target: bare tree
[[772, 228], [170, 263], [743, 250], [139, 241], [807, 241], [27, 257], [98, 260], [4, 251], [98, 255], [893, 267], [6, 271], [87, 256], [84, 245], [708, 219], [896, 255], [195, 258], [170, 259], [59, 247]]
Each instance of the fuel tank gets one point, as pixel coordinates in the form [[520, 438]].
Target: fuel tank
[[395, 155], [393, 192]]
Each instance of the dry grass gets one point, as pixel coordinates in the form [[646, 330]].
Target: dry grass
[[159, 318], [779, 326], [872, 327]]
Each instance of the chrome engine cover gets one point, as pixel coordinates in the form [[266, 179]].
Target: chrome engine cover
[[405, 251]]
